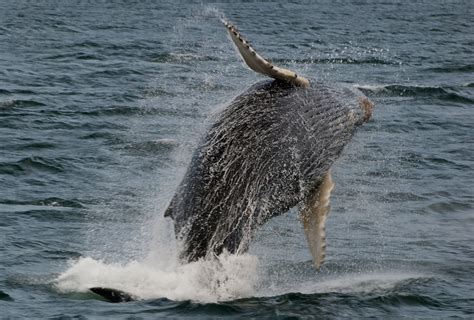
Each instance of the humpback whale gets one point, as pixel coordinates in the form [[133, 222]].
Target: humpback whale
[[270, 150]]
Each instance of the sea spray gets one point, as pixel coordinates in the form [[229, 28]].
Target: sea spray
[[226, 278]]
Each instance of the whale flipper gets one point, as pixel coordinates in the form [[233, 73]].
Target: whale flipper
[[313, 216], [113, 295], [258, 64]]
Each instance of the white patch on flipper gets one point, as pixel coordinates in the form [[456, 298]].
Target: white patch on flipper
[[257, 63], [313, 216]]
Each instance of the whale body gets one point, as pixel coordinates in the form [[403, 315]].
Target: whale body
[[271, 149], [268, 151]]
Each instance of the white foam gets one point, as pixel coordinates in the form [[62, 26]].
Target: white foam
[[361, 283], [347, 283], [229, 277]]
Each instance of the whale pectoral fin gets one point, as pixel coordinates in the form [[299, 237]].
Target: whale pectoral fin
[[313, 216], [257, 63]]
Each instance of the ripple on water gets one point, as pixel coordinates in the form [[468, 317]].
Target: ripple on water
[[440, 93], [48, 202], [155, 147], [449, 206], [181, 58], [338, 60], [30, 164], [19, 103], [33, 146], [453, 68]]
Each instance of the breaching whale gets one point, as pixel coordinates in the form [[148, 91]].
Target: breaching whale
[[270, 150]]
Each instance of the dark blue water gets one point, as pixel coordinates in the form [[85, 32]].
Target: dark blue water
[[101, 105]]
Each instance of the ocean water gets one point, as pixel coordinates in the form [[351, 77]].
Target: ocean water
[[102, 104]]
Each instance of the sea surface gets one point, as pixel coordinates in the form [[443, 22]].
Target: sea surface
[[103, 102]]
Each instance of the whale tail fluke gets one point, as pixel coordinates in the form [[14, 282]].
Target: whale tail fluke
[[313, 217], [258, 64]]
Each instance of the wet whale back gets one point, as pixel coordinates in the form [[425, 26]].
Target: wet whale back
[[267, 150]]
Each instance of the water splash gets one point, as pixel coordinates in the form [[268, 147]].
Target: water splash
[[227, 278], [362, 282]]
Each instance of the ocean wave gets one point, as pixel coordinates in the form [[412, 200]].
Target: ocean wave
[[339, 60], [133, 110], [115, 72], [29, 164], [34, 146], [395, 90], [87, 44], [184, 58], [449, 207], [111, 111], [50, 215], [59, 254], [74, 55], [402, 298], [293, 305], [48, 202], [148, 148], [453, 69], [18, 91], [398, 197], [110, 137], [19, 103]]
